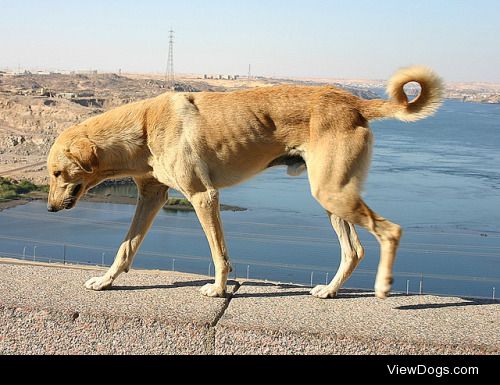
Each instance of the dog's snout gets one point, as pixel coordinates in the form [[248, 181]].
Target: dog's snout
[[51, 208]]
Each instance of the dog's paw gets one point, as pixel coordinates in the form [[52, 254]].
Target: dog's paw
[[210, 290], [98, 283], [323, 292], [383, 288]]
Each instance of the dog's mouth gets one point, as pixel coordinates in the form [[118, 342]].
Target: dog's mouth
[[70, 201]]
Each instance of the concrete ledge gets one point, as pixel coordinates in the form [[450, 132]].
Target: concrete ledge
[[279, 319], [45, 310]]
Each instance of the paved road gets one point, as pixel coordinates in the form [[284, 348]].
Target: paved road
[[9, 172]]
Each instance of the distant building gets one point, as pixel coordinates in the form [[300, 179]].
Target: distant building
[[84, 72], [47, 93], [21, 73], [66, 95], [221, 77], [86, 94]]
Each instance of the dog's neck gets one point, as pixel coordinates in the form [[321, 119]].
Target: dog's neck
[[121, 148], [120, 160]]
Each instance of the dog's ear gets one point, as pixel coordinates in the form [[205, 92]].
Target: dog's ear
[[84, 153]]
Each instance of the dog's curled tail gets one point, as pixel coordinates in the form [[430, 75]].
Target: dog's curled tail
[[398, 107]]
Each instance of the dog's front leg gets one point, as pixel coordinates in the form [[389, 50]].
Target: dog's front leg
[[152, 197], [206, 205]]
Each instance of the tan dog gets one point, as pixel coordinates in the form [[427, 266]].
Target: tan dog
[[199, 143]]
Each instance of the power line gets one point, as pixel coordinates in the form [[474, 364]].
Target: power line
[[244, 261], [423, 249], [277, 237]]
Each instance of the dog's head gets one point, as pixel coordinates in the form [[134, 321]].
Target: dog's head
[[72, 166]]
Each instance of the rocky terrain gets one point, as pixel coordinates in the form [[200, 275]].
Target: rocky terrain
[[34, 109]]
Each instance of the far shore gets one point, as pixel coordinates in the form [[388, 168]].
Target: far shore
[[5, 205], [180, 204]]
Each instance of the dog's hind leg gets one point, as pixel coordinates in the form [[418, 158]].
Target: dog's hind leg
[[206, 205], [152, 197], [351, 254], [337, 166]]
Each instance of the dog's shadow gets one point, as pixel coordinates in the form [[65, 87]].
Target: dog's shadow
[[288, 290], [464, 303], [280, 290], [174, 285]]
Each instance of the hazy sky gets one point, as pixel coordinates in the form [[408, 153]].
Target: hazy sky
[[315, 38]]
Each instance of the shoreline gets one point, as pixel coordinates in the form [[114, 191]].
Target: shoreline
[[5, 205], [111, 199]]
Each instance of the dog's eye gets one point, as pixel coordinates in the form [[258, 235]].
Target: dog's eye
[[57, 174]]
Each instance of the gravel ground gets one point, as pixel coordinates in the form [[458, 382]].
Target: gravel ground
[[45, 310], [268, 318]]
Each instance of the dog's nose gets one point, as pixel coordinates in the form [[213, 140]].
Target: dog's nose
[[51, 208]]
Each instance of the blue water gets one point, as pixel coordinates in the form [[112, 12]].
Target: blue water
[[439, 178]]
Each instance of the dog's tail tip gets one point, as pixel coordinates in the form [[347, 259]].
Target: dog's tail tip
[[426, 103]]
